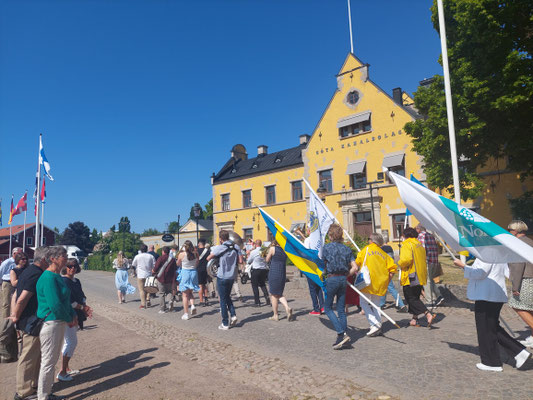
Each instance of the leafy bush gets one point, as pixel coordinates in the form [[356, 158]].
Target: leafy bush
[[100, 262]]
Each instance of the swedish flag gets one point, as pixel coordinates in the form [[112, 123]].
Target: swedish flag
[[306, 260]]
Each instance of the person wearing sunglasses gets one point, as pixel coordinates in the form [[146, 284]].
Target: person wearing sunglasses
[[21, 261]]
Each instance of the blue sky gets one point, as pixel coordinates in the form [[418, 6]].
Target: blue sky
[[139, 102]]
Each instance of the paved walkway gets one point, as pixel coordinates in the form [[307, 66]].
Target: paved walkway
[[294, 359]]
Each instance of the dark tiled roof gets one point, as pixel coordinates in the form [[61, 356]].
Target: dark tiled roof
[[234, 169]]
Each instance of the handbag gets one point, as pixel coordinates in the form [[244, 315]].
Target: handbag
[[413, 276], [150, 285], [34, 324], [363, 277]]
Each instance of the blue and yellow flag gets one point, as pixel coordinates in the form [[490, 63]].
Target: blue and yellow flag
[[306, 260]]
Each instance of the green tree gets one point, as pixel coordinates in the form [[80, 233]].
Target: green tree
[[208, 213], [150, 232], [128, 242], [124, 225], [490, 46], [173, 227], [77, 234], [522, 208], [112, 229]]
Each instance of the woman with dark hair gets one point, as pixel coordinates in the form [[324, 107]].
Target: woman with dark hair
[[188, 261], [412, 262], [77, 301], [276, 279], [21, 262]]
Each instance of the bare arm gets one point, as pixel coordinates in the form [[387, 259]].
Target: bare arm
[[270, 254], [354, 268], [13, 278], [19, 305]]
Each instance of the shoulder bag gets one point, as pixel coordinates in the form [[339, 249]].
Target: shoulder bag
[[363, 277], [34, 324], [413, 276]]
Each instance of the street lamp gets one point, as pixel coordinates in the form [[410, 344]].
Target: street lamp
[[321, 191], [197, 210], [372, 203]]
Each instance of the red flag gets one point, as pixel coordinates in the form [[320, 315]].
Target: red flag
[[43, 192], [22, 205], [11, 212]]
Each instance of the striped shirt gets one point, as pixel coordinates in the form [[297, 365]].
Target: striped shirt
[[430, 244]]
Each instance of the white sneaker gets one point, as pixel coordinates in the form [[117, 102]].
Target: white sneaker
[[521, 358], [223, 327], [185, 317], [193, 310], [161, 312], [528, 342], [64, 378], [374, 330], [484, 367], [233, 321]]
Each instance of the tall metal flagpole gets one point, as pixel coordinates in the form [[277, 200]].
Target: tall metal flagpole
[[42, 224], [10, 228], [449, 104], [24, 234], [350, 22], [37, 230]]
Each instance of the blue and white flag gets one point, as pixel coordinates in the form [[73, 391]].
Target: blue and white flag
[[43, 161], [320, 219], [462, 228]]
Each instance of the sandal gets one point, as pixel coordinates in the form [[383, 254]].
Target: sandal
[[290, 316], [274, 318], [414, 322], [430, 317]]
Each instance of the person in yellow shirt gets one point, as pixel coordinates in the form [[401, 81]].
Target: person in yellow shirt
[[381, 268], [412, 262]]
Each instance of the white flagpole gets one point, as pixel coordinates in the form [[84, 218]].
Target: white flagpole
[[24, 234], [335, 218], [350, 22], [373, 305], [37, 230], [10, 228], [449, 104], [42, 223]]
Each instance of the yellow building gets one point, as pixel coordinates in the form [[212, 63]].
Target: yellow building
[[359, 133]]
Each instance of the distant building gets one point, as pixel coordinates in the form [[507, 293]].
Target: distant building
[[17, 232], [187, 232]]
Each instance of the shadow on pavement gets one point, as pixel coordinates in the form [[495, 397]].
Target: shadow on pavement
[[122, 368]]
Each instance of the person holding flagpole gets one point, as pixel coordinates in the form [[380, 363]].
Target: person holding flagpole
[[486, 287], [412, 262], [340, 262], [381, 268]]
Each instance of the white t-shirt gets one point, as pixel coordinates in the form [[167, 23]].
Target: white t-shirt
[[144, 263]]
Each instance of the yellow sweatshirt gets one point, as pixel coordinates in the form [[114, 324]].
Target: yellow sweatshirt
[[412, 247], [380, 265]]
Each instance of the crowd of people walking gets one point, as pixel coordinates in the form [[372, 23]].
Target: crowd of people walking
[[45, 302]]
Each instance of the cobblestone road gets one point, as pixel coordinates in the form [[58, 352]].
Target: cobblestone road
[[294, 360]]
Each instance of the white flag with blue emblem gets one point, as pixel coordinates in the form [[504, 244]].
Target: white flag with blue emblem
[[320, 219], [43, 161], [460, 227]]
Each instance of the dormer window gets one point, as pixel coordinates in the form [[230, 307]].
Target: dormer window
[[254, 165], [278, 159], [233, 170]]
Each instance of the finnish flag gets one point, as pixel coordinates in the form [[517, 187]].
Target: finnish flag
[[43, 161]]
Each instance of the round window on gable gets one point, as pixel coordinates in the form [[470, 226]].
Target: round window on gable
[[353, 97]]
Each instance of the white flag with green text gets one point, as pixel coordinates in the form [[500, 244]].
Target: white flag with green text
[[461, 228]]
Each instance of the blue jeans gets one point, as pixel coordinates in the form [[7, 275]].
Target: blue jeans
[[336, 286], [317, 297], [224, 292], [392, 290]]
